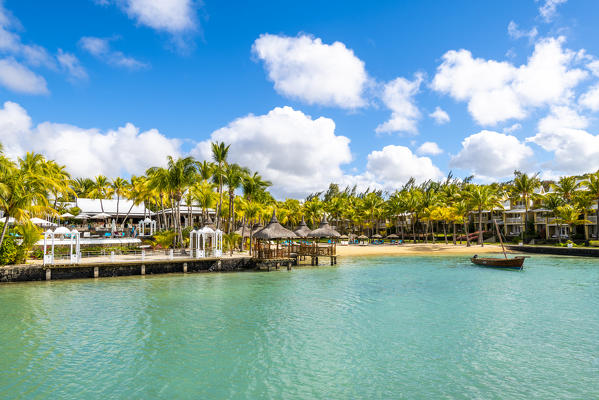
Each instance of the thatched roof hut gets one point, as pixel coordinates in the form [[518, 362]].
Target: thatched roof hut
[[274, 230], [302, 229], [243, 230], [257, 228], [324, 230]]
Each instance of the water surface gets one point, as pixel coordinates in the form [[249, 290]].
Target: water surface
[[409, 327]]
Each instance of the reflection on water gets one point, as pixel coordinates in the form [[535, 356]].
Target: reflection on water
[[369, 328]]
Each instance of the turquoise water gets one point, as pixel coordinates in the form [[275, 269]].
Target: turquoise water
[[410, 327]]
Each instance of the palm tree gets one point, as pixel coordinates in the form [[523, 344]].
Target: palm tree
[[482, 197], [119, 187], [568, 214], [523, 188], [220, 151], [203, 193], [158, 182], [181, 175], [566, 187], [233, 177], [101, 189], [230, 240], [553, 202], [592, 185]]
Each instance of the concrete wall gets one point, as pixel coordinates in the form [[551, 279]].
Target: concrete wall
[[562, 251], [19, 273]]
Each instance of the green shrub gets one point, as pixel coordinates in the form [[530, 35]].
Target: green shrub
[[8, 251], [594, 243]]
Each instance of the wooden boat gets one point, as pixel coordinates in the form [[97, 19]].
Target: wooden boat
[[504, 263], [507, 263]]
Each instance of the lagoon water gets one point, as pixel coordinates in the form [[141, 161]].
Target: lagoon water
[[409, 327]]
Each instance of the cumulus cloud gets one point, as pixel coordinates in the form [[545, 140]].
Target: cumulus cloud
[[429, 148], [395, 165], [548, 9], [489, 154], [440, 116], [497, 91], [172, 16], [100, 48], [297, 153], [18, 78], [563, 132], [307, 69], [516, 33], [398, 96], [85, 152]]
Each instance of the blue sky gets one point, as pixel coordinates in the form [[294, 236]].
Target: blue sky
[[305, 92]]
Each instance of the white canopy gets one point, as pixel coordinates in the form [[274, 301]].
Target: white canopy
[[67, 215], [61, 230], [82, 216], [101, 216], [41, 222]]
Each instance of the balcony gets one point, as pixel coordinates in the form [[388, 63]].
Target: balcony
[[516, 220]]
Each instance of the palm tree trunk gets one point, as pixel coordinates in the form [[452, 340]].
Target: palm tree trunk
[[480, 227], [467, 234], [126, 216], [454, 239], [101, 205], [242, 232], [4, 229], [445, 231]]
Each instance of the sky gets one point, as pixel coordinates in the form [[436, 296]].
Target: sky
[[306, 93]]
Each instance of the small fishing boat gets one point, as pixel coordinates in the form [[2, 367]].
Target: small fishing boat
[[504, 263]]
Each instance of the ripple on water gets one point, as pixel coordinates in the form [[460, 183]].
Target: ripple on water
[[427, 327]]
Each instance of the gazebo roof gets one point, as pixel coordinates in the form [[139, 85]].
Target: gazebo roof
[[324, 230], [302, 229], [274, 230]]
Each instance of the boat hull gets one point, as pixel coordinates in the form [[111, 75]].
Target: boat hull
[[502, 263]]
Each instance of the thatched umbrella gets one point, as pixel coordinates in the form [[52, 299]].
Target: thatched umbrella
[[274, 230], [324, 230], [377, 236], [363, 237], [343, 237], [302, 229], [393, 236]]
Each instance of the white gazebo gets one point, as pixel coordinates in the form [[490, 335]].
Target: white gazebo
[[150, 223], [74, 240], [206, 237]]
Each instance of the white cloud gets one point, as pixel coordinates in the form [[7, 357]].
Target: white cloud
[[516, 33], [395, 165], [499, 91], [429, 148], [574, 149], [398, 96], [85, 152], [548, 9], [304, 68], [100, 48], [298, 154], [171, 16], [440, 116], [18, 78], [70, 63], [490, 154], [590, 99], [512, 128]]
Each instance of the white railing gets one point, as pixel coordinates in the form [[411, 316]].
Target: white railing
[[516, 220]]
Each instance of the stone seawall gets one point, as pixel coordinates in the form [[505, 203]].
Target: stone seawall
[[562, 251], [20, 273]]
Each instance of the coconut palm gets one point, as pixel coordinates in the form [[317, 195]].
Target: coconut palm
[[220, 151], [101, 189], [592, 185], [233, 178], [523, 188], [566, 187], [203, 193], [482, 197], [553, 202], [120, 188], [181, 175], [568, 214]]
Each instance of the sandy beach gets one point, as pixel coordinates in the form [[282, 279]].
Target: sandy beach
[[415, 249]]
